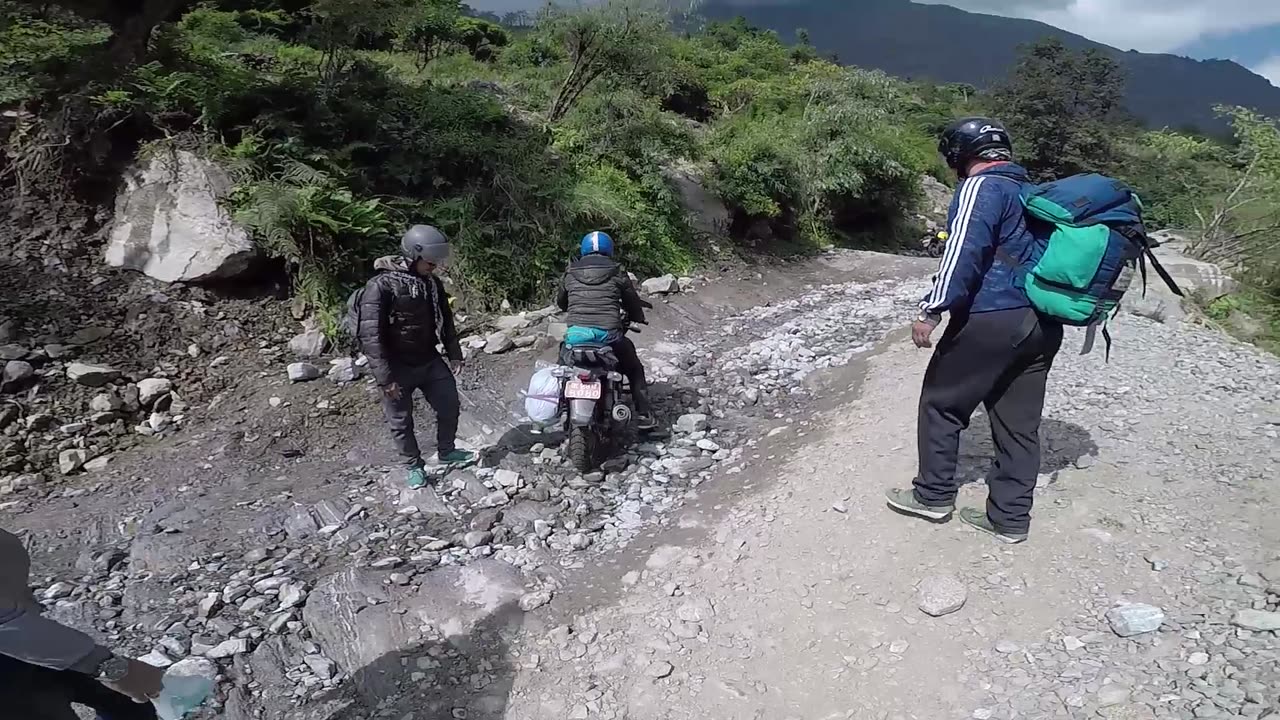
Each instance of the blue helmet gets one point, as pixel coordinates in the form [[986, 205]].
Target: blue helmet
[[597, 242]]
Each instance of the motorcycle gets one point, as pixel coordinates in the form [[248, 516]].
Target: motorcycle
[[598, 400], [934, 245]]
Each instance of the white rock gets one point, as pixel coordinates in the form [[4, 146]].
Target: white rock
[[708, 444], [16, 372], [344, 370], [171, 224], [71, 460], [534, 600], [91, 375], [507, 478], [152, 389], [58, 591], [664, 285], [323, 667], [1135, 619], [159, 421], [106, 402], [156, 658], [292, 595], [309, 343], [302, 372]]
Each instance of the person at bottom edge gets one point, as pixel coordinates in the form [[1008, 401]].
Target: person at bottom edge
[[45, 666], [404, 315], [996, 350], [596, 292]]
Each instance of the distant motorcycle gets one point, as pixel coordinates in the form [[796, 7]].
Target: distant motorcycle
[[598, 399], [936, 244]]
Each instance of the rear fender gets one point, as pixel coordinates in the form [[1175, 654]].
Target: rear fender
[[582, 412]]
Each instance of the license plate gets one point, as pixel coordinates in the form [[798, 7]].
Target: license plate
[[578, 390]]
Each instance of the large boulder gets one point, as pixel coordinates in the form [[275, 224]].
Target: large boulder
[[171, 225], [707, 213], [1194, 277], [361, 623]]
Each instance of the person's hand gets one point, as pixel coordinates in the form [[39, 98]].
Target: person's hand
[[392, 391], [457, 365], [922, 333], [142, 684]]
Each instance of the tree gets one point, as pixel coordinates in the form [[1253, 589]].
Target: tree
[[617, 37], [131, 23], [1057, 103], [430, 25], [1241, 228], [479, 36], [339, 25]]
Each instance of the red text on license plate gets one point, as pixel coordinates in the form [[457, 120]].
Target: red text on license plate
[[578, 390]]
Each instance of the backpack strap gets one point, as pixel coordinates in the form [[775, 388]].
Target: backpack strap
[[1139, 237]]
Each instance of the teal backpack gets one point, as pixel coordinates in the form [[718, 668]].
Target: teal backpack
[[1090, 242]]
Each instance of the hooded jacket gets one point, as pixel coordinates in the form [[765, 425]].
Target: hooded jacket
[[986, 213], [24, 634], [595, 290], [402, 318]]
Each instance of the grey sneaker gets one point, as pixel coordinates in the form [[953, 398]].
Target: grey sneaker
[[905, 501], [976, 518]]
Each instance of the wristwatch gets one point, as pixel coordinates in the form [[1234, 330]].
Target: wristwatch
[[928, 317], [113, 669]]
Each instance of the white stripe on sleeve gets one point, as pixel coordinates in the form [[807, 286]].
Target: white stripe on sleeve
[[955, 243]]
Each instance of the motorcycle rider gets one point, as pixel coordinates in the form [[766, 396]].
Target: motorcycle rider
[[404, 314], [595, 291]]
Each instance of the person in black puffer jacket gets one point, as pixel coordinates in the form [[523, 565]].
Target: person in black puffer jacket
[[404, 315], [595, 292]]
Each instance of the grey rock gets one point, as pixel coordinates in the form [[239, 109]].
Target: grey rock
[[107, 402], [387, 563], [209, 606], [941, 595], [16, 374], [579, 541], [228, 648], [12, 352], [498, 342], [302, 372], [1135, 619], [1257, 620], [157, 658], [507, 478], [691, 423], [659, 669], [534, 600], [323, 667], [71, 460], [1113, 695], [292, 595], [664, 285], [152, 389], [300, 524], [58, 591], [91, 375], [351, 615], [477, 538]]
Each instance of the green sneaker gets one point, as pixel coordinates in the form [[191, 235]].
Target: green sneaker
[[975, 518], [457, 458], [905, 501], [417, 478]]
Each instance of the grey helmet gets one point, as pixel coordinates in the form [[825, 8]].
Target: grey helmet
[[424, 242]]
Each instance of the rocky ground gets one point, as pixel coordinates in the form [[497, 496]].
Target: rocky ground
[[739, 565]]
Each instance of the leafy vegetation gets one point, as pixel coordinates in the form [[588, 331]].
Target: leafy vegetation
[[345, 120]]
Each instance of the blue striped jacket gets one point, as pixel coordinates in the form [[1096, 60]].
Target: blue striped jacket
[[986, 213]]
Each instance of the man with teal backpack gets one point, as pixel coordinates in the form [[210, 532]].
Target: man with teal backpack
[[996, 351]]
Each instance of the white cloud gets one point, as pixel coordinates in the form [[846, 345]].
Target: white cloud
[[1146, 25], [1270, 69]]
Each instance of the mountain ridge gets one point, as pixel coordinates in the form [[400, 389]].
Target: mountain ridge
[[920, 42]]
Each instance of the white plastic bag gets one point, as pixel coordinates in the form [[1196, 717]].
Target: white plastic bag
[[542, 401]]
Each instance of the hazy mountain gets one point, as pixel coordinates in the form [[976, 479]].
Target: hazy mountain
[[944, 44]]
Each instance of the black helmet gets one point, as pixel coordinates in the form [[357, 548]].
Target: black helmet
[[972, 139], [424, 242]]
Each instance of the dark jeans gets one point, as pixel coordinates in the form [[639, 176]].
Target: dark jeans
[[436, 382], [629, 364], [1000, 360], [30, 692]]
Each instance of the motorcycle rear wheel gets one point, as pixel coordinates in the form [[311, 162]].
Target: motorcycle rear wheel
[[580, 449]]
